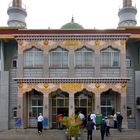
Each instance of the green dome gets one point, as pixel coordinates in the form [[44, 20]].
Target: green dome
[[72, 25]]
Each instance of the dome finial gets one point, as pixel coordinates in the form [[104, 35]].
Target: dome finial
[[127, 3], [72, 19], [17, 3]]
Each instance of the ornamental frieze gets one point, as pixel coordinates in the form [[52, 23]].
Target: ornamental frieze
[[102, 87], [71, 85], [71, 42]]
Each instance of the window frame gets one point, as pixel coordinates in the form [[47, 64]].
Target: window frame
[[111, 55], [84, 50], [62, 52], [32, 62]]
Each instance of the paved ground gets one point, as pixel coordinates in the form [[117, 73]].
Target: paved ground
[[31, 134]]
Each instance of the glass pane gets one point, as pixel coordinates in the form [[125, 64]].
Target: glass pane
[[34, 112], [53, 118], [40, 102], [108, 102], [90, 101], [83, 102], [109, 111], [53, 110], [60, 102], [34, 103], [103, 102], [40, 110], [77, 102], [53, 102], [66, 102], [103, 111]]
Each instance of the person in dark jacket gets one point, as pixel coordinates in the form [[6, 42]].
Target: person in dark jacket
[[103, 127], [119, 121], [90, 127]]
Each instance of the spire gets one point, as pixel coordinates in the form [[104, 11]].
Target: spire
[[127, 3], [127, 14], [17, 14], [72, 19], [17, 3]]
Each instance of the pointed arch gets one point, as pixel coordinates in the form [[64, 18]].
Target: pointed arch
[[33, 57], [84, 57], [110, 102], [110, 57], [58, 57]]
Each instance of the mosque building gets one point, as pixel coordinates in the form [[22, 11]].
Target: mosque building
[[69, 69]]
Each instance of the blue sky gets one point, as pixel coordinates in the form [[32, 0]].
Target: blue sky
[[100, 14]]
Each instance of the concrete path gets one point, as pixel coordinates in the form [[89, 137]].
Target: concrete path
[[53, 134]]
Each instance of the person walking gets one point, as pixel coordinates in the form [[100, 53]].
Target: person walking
[[107, 126], [90, 127], [115, 120], [119, 121], [82, 118], [59, 121], [40, 120], [93, 118], [103, 127]]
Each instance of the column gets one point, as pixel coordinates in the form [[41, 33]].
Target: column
[[124, 109], [1, 56], [123, 65], [71, 104], [71, 64], [20, 65], [97, 102], [46, 108], [46, 65], [97, 63], [20, 108]]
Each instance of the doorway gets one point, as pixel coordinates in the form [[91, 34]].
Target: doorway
[[33, 105], [59, 104], [84, 102]]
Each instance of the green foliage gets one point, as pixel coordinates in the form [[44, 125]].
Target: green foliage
[[72, 124], [73, 130]]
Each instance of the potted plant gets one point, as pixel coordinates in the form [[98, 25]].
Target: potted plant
[[72, 127]]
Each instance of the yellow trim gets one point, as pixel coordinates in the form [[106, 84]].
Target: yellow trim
[[71, 42], [6, 36], [71, 85], [135, 36]]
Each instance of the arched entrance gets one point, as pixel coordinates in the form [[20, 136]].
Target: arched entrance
[[59, 104], [33, 105], [110, 102], [84, 102]]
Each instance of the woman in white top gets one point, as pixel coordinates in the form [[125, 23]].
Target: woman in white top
[[40, 120]]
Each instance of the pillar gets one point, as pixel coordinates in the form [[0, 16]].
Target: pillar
[[71, 64], [46, 65], [20, 108], [124, 109], [1, 56], [97, 63], [123, 65], [20, 65], [71, 104], [46, 108], [97, 102]]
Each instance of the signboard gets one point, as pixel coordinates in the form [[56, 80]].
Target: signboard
[[18, 121], [45, 122]]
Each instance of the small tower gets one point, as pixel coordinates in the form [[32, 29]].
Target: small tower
[[17, 14], [127, 14]]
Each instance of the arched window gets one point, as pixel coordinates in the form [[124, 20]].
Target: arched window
[[110, 57], [84, 57], [59, 57], [33, 57]]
